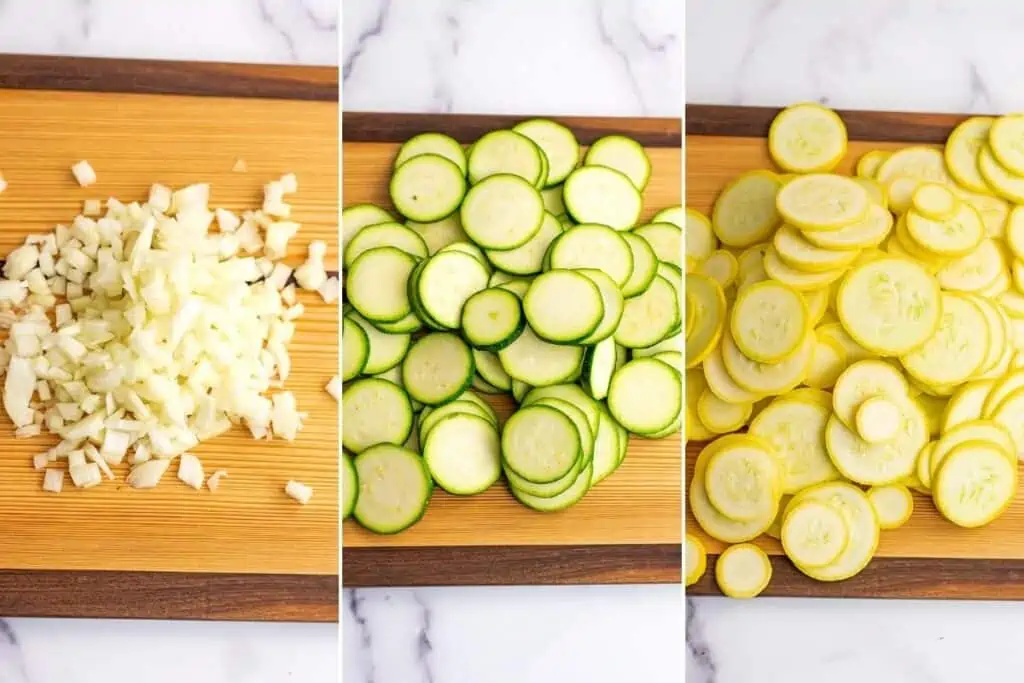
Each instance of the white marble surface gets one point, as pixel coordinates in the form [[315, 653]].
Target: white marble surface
[[528, 57], [915, 55], [97, 651]]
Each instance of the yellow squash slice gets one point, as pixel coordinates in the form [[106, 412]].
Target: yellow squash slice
[[974, 484], [822, 201], [807, 138], [743, 571], [1007, 141], [862, 524], [745, 213], [742, 480], [874, 464], [867, 232], [769, 321], [708, 302], [957, 348], [814, 534], [696, 559], [763, 378], [961, 152], [893, 505], [795, 430]]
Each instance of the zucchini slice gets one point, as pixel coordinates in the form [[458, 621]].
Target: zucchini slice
[[597, 194], [492, 319], [394, 488], [427, 188], [1006, 137], [875, 464], [743, 571], [385, 350], [502, 212], [645, 396], [763, 379], [356, 350], [713, 522], [650, 317], [349, 485], [611, 298], [623, 154], [432, 143], [463, 454], [800, 253], [558, 144], [528, 258], [956, 350], [862, 524], [958, 235], [446, 282], [488, 368], [935, 202], [563, 306], [503, 152], [961, 152], [598, 366], [438, 367], [878, 419], [376, 284], [374, 411], [439, 234], [700, 239], [807, 138], [593, 246], [540, 460], [800, 203], [720, 416], [385, 235], [645, 266], [813, 534], [666, 239], [359, 216], [539, 363]]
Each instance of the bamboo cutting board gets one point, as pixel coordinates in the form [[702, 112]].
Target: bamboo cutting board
[[928, 557], [627, 529], [248, 551]]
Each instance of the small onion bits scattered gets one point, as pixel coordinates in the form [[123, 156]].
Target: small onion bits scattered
[[139, 333]]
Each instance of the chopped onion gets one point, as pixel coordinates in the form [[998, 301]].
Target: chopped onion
[[334, 387], [298, 491], [214, 481], [85, 476], [147, 474], [53, 481], [190, 470], [84, 173]]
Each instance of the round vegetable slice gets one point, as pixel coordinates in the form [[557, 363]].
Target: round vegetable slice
[[935, 202], [349, 485], [394, 488], [528, 259], [502, 212], [563, 306], [874, 464], [957, 235], [974, 484], [505, 152], [1010, 414], [966, 404], [720, 416], [868, 164], [623, 154], [975, 271], [1005, 182], [650, 317], [446, 282], [645, 266], [988, 431], [878, 419], [645, 396], [540, 443], [427, 187], [795, 430], [438, 368], [1006, 137], [558, 144], [813, 534], [714, 523], [721, 266], [376, 284], [828, 362], [742, 481], [355, 350], [807, 138], [743, 571], [593, 246], [463, 454], [917, 164], [961, 152], [890, 306], [745, 212], [492, 319], [614, 304], [800, 253], [359, 216], [777, 269], [776, 378], [955, 351], [769, 321], [700, 238], [597, 194], [696, 559], [721, 384], [432, 143], [822, 201], [862, 525], [385, 235], [539, 363], [707, 300], [893, 505]]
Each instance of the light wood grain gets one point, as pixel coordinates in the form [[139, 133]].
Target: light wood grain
[[711, 163], [249, 526], [639, 504]]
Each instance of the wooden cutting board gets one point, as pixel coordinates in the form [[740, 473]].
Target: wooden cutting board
[[928, 557], [627, 529], [248, 551]]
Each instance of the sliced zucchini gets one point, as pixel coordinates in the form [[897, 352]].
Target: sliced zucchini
[[460, 406], [463, 454], [439, 234], [890, 306], [376, 284], [607, 450], [623, 154], [813, 534], [893, 505], [593, 246], [538, 363], [355, 218], [720, 382], [743, 571], [427, 188], [355, 350], [828, 362], [504, 152], [349, 485], [563, 306], [800, 253], [650, 317], [868, 164], [666, 239], [385, 350], [935, 202], [597, 194], [988, 431], [611, 298], [745, 212], [696, 559], [645, 396], [720, 266], [432, 143], [800, 280], [1006, 183], [974, 484], [385, 235], [446, 282], [958, 235], [553, 203], [394, 488], [567, 498], [795, 430], [528, 259], [540, 444], [807, 138], [966, 404], [769, 321], [502, 212], [492, 319], [374, 411], [598, 366], [438, 367], [558, 144]]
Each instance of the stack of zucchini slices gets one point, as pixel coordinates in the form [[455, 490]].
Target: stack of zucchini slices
[[515, 269], [867, 332]]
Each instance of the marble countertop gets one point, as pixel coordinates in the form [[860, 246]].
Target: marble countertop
[[917, 55], [529, 57]]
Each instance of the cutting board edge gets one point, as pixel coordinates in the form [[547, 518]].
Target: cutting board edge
[[165, 77], [515, 565], [311, 598]]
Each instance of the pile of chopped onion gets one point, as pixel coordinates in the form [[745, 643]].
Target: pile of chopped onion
[[136, 335]]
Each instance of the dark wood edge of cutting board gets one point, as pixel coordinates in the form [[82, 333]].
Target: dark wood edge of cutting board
[[168, 595], [878, 126], [894, 577], [511, 565], [162, 77], [362, 126]]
